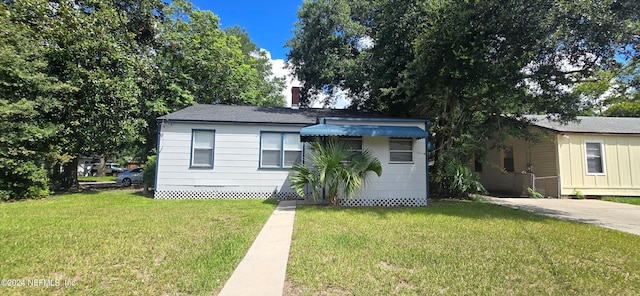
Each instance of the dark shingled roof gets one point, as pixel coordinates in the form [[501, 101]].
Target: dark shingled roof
[[600, 125], [253, 114]]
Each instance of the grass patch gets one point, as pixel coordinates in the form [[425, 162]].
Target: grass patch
[[456, 247], [117, 243], [629, 200], [96, 179]]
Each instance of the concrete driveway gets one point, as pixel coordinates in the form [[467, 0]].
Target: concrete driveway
[[619, 216]]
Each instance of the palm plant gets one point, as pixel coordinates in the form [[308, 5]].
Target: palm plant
[[333, 167]]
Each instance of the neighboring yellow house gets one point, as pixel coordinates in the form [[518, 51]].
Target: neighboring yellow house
[[596, 156]]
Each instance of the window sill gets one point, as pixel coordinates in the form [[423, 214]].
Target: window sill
[[274, 168], [199, 167], [401, 162]]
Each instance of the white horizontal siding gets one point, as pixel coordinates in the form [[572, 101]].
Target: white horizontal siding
[[236, 163], [398, 180]]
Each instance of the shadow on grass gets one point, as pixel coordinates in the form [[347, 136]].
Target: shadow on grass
[[141, 193], [135, 191]]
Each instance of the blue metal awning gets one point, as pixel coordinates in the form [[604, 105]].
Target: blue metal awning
[[322, 130]]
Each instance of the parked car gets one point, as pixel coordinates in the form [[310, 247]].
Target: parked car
[[129, 177], [110, 168]]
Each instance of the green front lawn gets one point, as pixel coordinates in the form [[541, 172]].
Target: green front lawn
[[629, 200], [454, 248], [117, 243]]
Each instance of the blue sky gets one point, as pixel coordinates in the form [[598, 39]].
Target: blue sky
[[269, 23]]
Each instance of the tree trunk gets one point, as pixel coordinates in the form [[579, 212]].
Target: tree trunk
[[101, 164], [66, 178], [333, 200]]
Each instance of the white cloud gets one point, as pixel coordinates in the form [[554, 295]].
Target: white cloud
[[341, 99], [280, 69]]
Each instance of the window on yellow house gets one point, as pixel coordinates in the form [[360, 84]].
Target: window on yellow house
[[507, 159], [594, 158]]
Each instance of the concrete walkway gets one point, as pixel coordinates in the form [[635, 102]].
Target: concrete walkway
[[619, 216], [262, 270]]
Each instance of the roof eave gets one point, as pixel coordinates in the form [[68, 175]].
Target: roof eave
[[233, 122]]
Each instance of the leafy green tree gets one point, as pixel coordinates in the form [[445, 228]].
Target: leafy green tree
[[332, 166], [194, 61], [26, 95], [91, 77], [624, 109], [467, 65], [88, 50], [267, 83], [211, 61], [597, 93], [626, 101], [325, 53]]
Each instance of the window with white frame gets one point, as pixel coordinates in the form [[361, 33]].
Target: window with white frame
[[400, 150], [280, 149], [202, 142], [292, 149], [595, 160]]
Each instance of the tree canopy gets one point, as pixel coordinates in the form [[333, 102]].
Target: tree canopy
[[91, 77], [469, 66]]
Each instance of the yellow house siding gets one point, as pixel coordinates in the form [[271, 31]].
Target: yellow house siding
[[496, 180], [543, 158], [539, 158], [621, 154], [625, 174]]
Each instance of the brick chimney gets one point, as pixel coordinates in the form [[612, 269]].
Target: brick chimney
[[295, 97]]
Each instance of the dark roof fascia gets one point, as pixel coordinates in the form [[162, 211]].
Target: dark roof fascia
[[233, 122], [532, 124], [582, 133], [593, 133], [547, 129], [594, 128]]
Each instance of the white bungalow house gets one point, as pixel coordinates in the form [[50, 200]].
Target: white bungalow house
[[242, 152], [595, 156]]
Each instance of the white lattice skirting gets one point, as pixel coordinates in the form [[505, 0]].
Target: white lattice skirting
[[391, 202], [180, 194], [355, 202]]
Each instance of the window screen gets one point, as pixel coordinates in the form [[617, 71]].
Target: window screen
[[280, 150], [401, 150], [594, 158], [202, 148]]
